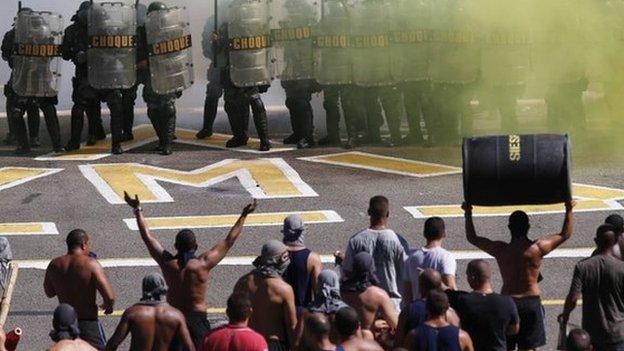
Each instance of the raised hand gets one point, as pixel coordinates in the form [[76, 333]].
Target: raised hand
[[569, 205], [467, 207], [250, 208], [134, 203]]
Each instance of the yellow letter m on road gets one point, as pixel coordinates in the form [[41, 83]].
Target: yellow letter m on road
[[263, 178]]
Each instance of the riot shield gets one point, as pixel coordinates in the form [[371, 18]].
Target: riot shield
[[454, 47], [292, 23], [111, 55], [369, 43], [332, 59], [410, 40], [249, 42], [505, 44], [169, 49], [36, 56]]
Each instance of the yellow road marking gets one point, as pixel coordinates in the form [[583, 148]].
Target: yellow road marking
[[186, 136], [43, 228], [262, 178], [590, 198], [386, 164], [12, 176], [143, 134], [221, 221]]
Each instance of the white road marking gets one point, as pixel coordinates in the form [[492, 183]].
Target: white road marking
[[578, 252]]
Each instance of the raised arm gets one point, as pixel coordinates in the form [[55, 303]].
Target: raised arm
[[154, 247], [103, 286], [551, 242], [123, 328], [485, 244], [213, 256]]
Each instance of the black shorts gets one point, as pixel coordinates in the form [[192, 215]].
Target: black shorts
[[532, 332], [92, 332], [198, 326]]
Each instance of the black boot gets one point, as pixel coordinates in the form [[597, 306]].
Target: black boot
[[116, 123], [260, 121], [210, 114], [168, 124], [239, 119], [33, 125], [295, 136], [77, 121]]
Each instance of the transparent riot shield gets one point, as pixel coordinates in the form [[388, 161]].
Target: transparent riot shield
[[410, 40], [169, 49], [111, 55], [249, 42], [36, 56], [455, 46], [292, 25], [369, 43], [332, 59]]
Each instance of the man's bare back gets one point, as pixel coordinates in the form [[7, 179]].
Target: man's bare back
[[269, 298], [152, 327], [74, 278], [520, 260], [371, 303], [72, 345]]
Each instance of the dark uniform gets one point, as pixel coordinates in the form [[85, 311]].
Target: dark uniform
[[298, 98], [85, 98], [214, 90], [335, 97], [17, 105], [238, 101]]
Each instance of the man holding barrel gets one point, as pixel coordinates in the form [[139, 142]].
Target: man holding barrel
[[519, 262]]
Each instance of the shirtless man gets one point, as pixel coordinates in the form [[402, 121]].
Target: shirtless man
[[153, 323], [519, 262], [65, 332], [185, 273], [273, 300], [75, 278], [361, 292], [347, 325]]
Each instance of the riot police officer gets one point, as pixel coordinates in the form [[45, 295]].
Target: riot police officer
[[32, 110], [247, 74], [85, 98], [111, 59], [214, 90], [164, 77], [34, 78]]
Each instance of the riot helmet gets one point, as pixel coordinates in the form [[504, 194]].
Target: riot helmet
[[156, 6]]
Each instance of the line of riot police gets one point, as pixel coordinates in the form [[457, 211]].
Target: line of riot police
[[372, 59]]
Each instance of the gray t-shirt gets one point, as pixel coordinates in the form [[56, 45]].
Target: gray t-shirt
[[600, 279], [388, 255], [436, 258]]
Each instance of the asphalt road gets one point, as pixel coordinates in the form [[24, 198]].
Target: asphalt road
[[70, 201]]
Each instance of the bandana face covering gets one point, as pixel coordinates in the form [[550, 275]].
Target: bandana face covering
[[271, 268], [328, 299], [363, 274]]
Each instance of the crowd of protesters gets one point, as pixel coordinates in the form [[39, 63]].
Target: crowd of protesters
[[379, 294]]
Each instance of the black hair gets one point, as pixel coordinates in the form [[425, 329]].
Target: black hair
[[378, 207], [617, 222], [347, 321], [76, 238], [578, 340], [605, 236], [437, 303], [238, 308], [317, 324], [519, 224], [185, 241], [434, 228]]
